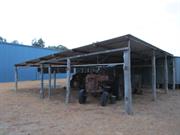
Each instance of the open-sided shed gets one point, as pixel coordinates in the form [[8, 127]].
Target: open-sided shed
[[133, 55]]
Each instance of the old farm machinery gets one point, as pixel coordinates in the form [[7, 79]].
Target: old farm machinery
[[103, 82], [98, 82]]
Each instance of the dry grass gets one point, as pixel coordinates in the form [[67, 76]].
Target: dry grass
[[24, 113]]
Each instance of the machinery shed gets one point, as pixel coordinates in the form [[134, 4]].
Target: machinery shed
[[11, 54], [133, 63]]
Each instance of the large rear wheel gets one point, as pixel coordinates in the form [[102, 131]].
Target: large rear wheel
[[82, 96], [104, 98]]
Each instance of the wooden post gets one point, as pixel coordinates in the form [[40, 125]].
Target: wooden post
[[42, 83], [154, 75], [49, 89], [127, 80], [174, 74], [74, 71], [16, 78], [37, 74], [54, 72], [68, 81], [166, 73]]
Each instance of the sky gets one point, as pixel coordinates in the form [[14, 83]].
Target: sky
[[75, 23]]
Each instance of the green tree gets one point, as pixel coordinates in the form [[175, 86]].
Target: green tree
[[15, 42], [59, 47], [2, 40], [38, 43]]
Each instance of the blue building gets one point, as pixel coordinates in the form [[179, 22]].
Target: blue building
[[11, 54]]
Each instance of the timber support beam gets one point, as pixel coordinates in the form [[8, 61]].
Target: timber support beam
[[68, 89], [166, 73], [174, 74], [54, 72], [127, 80], [16, 77], [154, 75], [49, 89], [42, 82]]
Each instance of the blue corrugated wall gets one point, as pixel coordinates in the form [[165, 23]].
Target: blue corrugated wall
[[147, 73], [11, 54], [177, 63]]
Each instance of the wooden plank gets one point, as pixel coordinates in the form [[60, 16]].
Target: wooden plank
[[54, 72], [90, 65], [16, 78], [154, 76], [94, 65], [88, 54], [68, 81], [42, 83], [174, 74], [166, 73], [127, 81]]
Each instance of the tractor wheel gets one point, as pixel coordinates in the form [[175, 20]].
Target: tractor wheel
[[104, 98], [82, 96]]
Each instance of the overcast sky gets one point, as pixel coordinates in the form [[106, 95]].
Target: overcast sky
[[74, 23]]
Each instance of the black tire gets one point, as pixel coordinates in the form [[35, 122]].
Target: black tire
[[112, 99], [82, 96], [104, 98]]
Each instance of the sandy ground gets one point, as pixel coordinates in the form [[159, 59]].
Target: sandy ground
[[24, 113]]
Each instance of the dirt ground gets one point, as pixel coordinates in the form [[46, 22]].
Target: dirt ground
[[24, 113]]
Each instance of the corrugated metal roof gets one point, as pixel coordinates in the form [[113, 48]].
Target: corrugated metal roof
[[139, 49]]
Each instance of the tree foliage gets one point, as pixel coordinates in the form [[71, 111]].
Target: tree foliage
[[59, 47], [38, 43], [15, 42], [2, 40]]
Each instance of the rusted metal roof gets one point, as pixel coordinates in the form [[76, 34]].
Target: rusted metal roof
[[139, 50]]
